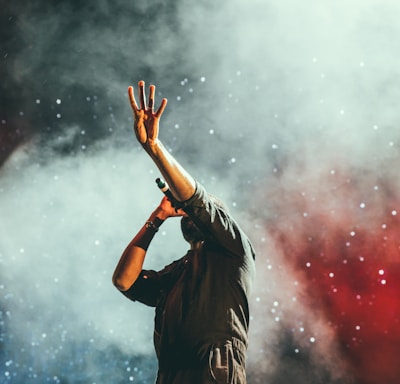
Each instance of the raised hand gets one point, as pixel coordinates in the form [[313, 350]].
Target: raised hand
[[146, 124]]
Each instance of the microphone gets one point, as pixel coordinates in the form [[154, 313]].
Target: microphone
[[166, 191]]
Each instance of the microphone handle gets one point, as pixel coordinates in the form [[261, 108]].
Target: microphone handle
[[165, 189]]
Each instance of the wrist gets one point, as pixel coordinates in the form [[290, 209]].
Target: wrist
[[153, 224], [158, 215], [153, 147]]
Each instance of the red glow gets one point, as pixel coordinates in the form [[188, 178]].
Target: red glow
[[354, 277]]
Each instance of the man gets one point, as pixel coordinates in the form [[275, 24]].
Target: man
[[200, 300]]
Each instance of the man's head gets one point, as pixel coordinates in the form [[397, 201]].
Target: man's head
[[191, 232]]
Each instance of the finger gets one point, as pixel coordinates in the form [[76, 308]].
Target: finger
[[151, 98], [160, 110], [142, 95], [132, 100]]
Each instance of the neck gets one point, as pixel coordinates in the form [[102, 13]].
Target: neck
[[195, 245]]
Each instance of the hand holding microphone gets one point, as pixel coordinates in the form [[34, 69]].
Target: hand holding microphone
[[165, 189]]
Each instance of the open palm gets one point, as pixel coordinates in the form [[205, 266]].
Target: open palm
[[146, 124]]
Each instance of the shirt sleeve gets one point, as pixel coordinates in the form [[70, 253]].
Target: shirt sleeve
[[152, 285], [146, 289], [217, 223]]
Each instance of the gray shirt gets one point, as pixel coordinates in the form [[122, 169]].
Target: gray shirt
[[202, 298]]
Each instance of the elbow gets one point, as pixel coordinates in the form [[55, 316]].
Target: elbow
[[120, 283]]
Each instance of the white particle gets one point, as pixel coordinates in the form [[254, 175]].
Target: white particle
[[37, 101], [276, 303], [362, 205], [381, 272], [352, 233], [296, 350], [375, 127], [301, 329], [333, 171], [358, 327], [58, 101], [394, 213], [22, 250], [331, 275], [211, 131], [258, 299], [308, 265], [178, 98], [176, 126], [274, 146], [383, 282], [376, 187], [361, 258], [58, 115], [83, 132], [312, 339], [384, 226], [202, 79]]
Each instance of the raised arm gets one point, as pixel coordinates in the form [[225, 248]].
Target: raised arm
[[146, 128]]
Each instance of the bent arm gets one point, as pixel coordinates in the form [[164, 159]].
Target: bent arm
[[131, 262]]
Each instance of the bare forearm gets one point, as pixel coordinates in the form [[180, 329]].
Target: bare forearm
[[181, 184], [131, 262]]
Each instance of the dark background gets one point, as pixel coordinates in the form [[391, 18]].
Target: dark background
[[289, 111]]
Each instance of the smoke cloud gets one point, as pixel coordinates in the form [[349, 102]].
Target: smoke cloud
[[286, 110]]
